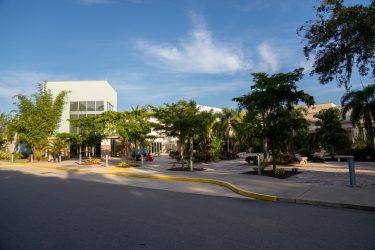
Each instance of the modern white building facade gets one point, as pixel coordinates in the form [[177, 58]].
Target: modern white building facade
[[85, 98]]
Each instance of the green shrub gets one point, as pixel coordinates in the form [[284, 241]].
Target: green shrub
[[95, 161], [122, 164], [19, 155], [135, 164], [279, 171], [5, 156]]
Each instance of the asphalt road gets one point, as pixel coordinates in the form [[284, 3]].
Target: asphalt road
[[51, 213]]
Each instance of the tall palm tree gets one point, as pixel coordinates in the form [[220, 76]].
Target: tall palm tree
[[228, 120], [362, 105]]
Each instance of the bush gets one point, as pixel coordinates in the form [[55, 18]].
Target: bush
[[91, 162], [122, 164], [205, 157], [294, 170], [95, 161], [5, 156], [135, 164], [230, 155], [279, 171], [366, 154]]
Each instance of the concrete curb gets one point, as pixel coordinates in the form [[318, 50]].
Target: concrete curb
[[326, 204], [228, 185]]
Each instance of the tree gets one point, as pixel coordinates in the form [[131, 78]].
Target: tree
[[5, 128], [179, 120], [361, 103], [270, 98], [63, 141], [330, 133], [248, 132], [229, 118], [132, 126], [340, 38], [91, 131], [38, 117]]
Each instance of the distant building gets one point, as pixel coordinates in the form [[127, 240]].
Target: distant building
[[85, 98], [346, 124], [164, 144]]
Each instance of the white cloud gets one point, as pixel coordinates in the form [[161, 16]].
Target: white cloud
[[200, 53], [268, 58]]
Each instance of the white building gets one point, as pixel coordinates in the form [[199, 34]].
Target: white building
[[85, 98]]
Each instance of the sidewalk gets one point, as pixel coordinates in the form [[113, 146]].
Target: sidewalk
[[284, 190]]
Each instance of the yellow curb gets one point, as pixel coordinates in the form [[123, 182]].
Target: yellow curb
[[228, 185], [202, 180]]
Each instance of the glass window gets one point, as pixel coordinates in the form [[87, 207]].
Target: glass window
[[109, 107], [90, 114], [82, 115], [90, 106], [73, 106], [82, 106], [73, 129], [99, 106]]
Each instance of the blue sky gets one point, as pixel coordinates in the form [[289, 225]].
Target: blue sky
[[155, 51]]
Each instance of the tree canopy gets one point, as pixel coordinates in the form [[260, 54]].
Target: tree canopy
[[271, 100], [361, 103], [38, 117], [330, 133], [339, 38]]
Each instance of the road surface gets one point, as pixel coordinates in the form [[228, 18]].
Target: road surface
[[53, 213]]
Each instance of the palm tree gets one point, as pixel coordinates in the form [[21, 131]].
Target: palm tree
[[228, 120], [362, 106]]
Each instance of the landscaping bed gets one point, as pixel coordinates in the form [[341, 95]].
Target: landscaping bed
[[279, 175]]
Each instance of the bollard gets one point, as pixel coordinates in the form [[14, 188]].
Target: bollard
[[12, 158], [351, 171], [141, 160], [259, 169], [80, 159], [106, 160], [59, 158], [31, 158]]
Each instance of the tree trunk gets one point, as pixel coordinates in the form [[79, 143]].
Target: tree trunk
[[191, 154], [182, 154], [370, 132], [273, 155], [265, 148]]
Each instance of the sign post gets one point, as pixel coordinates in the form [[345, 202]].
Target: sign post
[[259, 169], [351, 171]]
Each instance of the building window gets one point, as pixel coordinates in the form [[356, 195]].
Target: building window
[[91, 106], [109, 107], [155, 147], [73, 129], [99, 106], [73, 106], [82, 106]]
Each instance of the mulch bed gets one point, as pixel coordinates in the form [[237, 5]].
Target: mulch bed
[[270, 173], [185, 169]]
